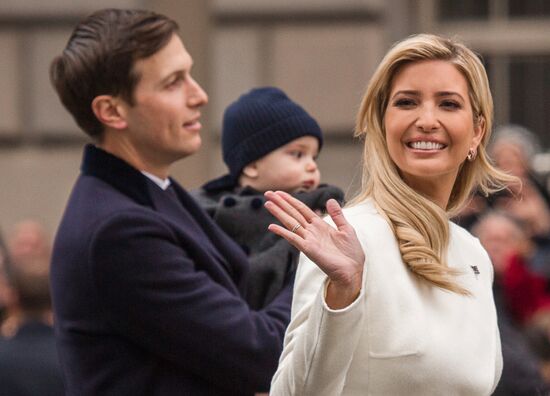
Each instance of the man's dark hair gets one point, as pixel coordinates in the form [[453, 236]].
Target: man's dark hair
[[99, 58]]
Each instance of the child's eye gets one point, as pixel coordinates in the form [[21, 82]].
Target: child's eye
[[296, 153]]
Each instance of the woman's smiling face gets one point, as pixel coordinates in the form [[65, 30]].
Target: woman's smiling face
[[429, 125]]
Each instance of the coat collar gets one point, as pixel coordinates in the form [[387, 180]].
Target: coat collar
[[131, 182], [117, 173]]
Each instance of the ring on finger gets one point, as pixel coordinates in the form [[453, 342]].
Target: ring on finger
[[295, 228]]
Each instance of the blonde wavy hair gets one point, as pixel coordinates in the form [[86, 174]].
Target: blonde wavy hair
[[421, 227]]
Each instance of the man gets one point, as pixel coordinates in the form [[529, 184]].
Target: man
[[147, 291], [29, 364]]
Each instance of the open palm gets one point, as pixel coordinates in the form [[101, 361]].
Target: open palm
[[336, 251]]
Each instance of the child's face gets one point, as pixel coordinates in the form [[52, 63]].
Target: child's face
[[289, 168]]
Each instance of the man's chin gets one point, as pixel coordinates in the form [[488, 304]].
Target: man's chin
[[190, 149]]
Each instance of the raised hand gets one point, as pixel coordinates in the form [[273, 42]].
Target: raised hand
[[336, 251]]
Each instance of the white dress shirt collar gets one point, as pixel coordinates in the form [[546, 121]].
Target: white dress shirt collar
[[162, 183]]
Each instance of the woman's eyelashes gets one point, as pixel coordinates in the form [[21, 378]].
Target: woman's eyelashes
[[451, 104], [404, 102], [409, 103]]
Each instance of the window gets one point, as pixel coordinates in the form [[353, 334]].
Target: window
[[528, 8], [452, 10], [529, 94]]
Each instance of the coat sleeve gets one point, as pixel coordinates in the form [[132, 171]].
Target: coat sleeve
[[154, 294], [320, 342]]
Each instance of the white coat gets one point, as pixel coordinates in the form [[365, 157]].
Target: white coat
[[401, 336]]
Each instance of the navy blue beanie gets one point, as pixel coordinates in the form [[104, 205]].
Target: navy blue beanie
[[259, 122]]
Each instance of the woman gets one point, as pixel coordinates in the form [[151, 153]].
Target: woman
[[403, 305]]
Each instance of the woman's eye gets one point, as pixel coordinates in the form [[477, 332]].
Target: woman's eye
[[404, 102], [450, 104]]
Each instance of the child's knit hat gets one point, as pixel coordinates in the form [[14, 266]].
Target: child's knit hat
[[257, 123]]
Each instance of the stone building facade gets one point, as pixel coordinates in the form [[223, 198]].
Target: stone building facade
[[321, 52]]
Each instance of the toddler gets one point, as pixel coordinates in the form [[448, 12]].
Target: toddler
[[269, 143]]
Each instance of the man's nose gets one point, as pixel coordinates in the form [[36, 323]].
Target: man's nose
[[197, 96]]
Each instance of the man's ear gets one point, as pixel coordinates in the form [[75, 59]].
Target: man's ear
[[251, 170], [110, 111]]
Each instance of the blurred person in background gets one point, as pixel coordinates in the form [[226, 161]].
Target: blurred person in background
[[29, 363], [517, 293], [29, 240], [6, 293], [29, 244], [525, 292], [513, 149]]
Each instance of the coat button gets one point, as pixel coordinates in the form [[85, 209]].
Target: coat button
[[229, 202], [256, 203]]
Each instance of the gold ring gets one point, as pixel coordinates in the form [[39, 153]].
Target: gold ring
[[295, 228]]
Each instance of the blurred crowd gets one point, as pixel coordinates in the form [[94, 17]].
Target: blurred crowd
[[513, 226]]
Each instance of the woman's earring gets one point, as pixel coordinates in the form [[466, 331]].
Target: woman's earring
[[472, 154]]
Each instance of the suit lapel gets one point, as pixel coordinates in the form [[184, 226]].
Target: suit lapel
[[178, 213], [188, 217], [232, 252]]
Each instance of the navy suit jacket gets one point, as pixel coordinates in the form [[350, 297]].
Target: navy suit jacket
[[147, 293]]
